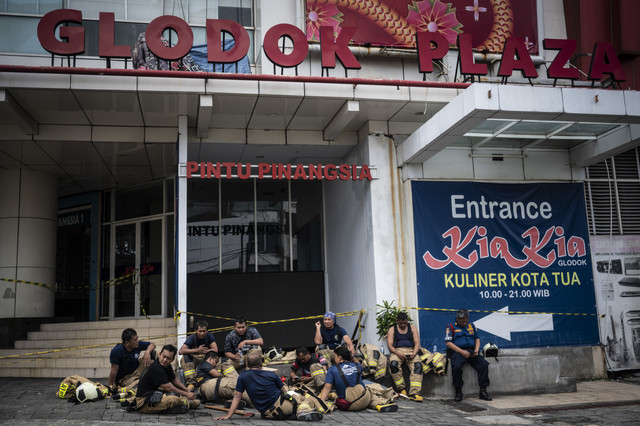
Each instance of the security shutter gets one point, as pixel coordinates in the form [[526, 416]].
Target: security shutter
[[613, 195]]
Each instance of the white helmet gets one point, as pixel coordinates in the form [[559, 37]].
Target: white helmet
[[273, 354], [87, 392], [490, 349]]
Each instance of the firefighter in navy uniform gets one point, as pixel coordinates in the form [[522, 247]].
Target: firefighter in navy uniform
[[464, 345]]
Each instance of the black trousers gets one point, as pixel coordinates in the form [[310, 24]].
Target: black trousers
[[477, 362]]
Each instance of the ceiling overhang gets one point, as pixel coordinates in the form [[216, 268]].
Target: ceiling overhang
[[102, 129], [592, 124]]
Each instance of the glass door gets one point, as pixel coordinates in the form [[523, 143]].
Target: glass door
[[151, 267], [124, 263], [138, 246]]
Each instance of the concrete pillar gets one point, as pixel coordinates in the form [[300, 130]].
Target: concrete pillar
[[28, 225]]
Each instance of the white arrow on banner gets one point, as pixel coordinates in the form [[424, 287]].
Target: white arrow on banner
[[502, 324]]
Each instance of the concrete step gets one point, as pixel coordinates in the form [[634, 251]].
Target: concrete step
[[47, 353], [136, 324], [61, 373], [71, 342], [60, 362], [72, 338], [65, 349], [111, 334]]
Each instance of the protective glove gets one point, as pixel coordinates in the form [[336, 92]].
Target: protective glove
[[154, 398]]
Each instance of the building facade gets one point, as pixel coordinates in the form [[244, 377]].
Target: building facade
[[430, 175]]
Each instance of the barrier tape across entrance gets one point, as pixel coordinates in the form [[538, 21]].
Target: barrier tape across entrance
[[213, 330], [103, 284]]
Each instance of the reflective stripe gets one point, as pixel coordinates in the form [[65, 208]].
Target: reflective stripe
[[416, 384], [329, 404], [317, 372], [379, 374], [189, 372], [399, 381], [373, 363], [63, 390], [228, 370]]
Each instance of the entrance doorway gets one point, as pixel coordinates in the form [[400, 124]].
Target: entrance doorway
[[138, 252], [73, 264], [137, 255]]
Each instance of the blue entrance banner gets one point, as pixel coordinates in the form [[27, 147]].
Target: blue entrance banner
[[516, 255]]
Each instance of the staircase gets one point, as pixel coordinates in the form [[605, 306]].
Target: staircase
[[60, 343]]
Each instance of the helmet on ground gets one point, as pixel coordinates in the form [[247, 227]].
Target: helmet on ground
[[87, 392], [490, 349], [273, 354]]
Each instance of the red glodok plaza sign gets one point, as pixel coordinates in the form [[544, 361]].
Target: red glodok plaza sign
[[430, 46]]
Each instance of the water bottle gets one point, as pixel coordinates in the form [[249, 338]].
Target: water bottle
[[435, 349]]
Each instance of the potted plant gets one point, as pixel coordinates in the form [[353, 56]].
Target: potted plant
[[386, 318]]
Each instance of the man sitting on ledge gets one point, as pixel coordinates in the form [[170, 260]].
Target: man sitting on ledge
[[463, 341]]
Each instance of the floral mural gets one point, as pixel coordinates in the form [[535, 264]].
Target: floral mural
[[436, 17], [395, 22]]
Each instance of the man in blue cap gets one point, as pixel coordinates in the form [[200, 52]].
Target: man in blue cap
[[329, 335]]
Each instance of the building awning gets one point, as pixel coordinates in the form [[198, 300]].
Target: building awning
[[99, 129], [592, 124]]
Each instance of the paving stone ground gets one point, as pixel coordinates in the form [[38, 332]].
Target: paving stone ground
[[32, 402]]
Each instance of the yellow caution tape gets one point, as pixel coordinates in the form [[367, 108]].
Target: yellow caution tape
[[53, 287], [68, 289], [510, 312], [178, 313], [342, 314]]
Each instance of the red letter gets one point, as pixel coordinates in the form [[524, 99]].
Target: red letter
[[339, 47], [300, 173], [365, 173], [566, 50], [215, 54], [263, 168], [465, 50], [426, 54], [330, 172], [247, 171], [345, 172], [273, 52], [192, 166], [154, 37], [106, 46], [73, 35], [514, 47], [605, 61]]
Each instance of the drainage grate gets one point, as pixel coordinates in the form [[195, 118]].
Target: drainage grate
[[538, 410], [463, 406]]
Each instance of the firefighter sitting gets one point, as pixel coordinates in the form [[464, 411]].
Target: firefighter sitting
[[404, 344]]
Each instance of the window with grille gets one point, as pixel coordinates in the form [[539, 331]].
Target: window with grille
[[613, 195]]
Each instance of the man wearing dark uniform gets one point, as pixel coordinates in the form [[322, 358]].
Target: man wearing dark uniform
[[149, 399], [268, 395], [193, 351], [240, 341], [212, 382], [329, 335], [129, 360], [309, 369], [463, 341]]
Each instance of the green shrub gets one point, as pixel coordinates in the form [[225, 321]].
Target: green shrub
[[386, 317]]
